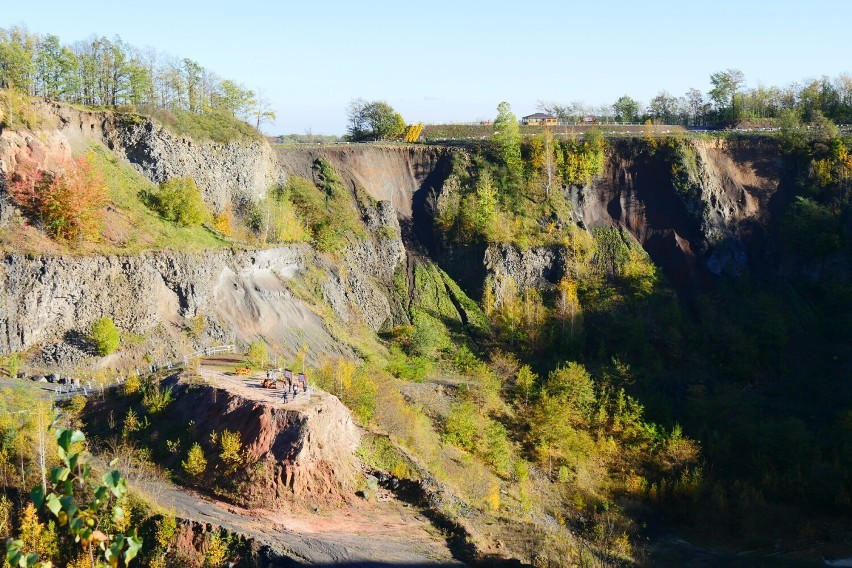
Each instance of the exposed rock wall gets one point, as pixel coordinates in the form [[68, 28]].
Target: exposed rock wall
[[304, 451], [47, 297], [226, 173], [397, 174], [711, 217]]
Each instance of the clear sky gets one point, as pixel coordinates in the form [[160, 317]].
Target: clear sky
[[455, 60]]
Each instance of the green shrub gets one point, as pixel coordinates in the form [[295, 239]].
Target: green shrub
[[325, 208], [105, 336], [179, 200], [258, 353], [462, 426], [408, 368], [429, 335], [379, 453], [156, 399], [195, 462]]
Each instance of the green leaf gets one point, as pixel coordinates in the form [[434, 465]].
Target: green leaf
[[77, 436], [13, 550], [37, 495], [54, 504], [59, 474], [113, 462], [115, 483], [134, 544], [117, 513], [111, 478]]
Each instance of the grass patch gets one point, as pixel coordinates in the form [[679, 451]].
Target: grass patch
[[215, 126], [130, 225]]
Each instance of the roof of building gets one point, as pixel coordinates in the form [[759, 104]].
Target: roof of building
[[540, 115]]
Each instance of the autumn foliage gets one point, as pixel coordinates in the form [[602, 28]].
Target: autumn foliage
[[67, 200]]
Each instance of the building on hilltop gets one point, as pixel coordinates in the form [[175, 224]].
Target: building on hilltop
[[541, 119]]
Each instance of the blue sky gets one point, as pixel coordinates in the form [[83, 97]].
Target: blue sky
[[445, 60]]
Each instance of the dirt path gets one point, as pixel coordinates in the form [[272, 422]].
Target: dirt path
[[386, 531]]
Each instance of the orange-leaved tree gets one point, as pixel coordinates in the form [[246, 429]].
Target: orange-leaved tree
[[68, 199]]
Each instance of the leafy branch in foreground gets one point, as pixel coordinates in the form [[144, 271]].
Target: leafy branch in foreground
[[83, 522]]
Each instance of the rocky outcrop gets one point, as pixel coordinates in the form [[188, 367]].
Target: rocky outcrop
[[304, 451], [701, 209], [246, 292], [234, 172], [534, 267], [397, 174]]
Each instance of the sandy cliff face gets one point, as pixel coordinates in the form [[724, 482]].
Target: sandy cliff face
[[397, 174]]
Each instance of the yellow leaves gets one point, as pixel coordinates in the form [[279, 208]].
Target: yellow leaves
[[492, 499], [195, 462], [223, 222], [412, 132], [640, 272], [822, 171], [231, 453]]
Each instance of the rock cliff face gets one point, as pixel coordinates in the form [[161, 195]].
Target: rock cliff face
[[401, 175], [226, 173], [706, 216], [304, 451], [707, 213], [247, 293]]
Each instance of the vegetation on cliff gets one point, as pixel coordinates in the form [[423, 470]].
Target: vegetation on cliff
[[755, 438], [109, 73]]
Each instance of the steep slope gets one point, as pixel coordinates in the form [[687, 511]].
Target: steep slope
[[226, 173]]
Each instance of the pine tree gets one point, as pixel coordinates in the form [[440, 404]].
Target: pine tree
[[195, 462]]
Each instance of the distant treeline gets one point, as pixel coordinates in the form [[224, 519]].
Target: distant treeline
[[106, 72], [728, 101]]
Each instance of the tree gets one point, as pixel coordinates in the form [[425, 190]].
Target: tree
[[566, 113], [695, 104], [234, 99], [356, 114], [663, 107], [258, 354], [375, 120], [54, 67], [507, 137], [573, 385], [105, 336], [261, 110], [626, 109], [68, 198], [232, 451], [179, 200], [17, 46], [726, 86], [525, 382], [568, 304], [486, 204], [84, 521], [544, 158], [384, 121], [195, 462]]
